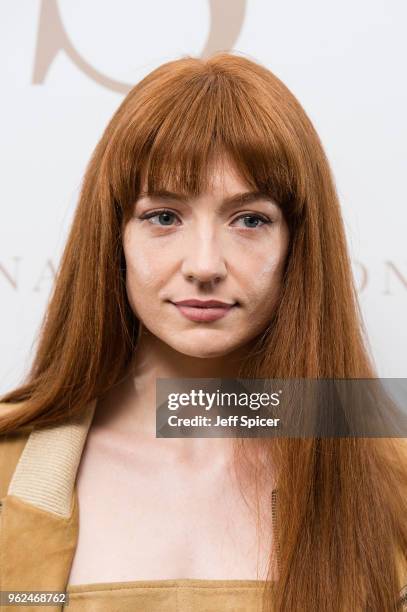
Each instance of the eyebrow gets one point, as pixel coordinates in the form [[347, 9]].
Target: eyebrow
[[247, 197]]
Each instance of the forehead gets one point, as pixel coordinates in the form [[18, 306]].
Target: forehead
[[222, 177]]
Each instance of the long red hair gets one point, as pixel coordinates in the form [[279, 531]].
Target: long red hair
[[346, 498]]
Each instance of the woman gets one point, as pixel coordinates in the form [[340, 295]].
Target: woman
[[209, 183]]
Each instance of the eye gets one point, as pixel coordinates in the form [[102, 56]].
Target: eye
[[264, 220], [159, 213], [165, 215]]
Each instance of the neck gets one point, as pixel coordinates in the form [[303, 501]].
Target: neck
[[130, 407]]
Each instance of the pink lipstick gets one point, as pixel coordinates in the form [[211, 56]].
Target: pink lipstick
[[203, 310]]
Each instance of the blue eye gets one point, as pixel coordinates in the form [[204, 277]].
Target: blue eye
[[263, 220], [167, 213], [159, 213]]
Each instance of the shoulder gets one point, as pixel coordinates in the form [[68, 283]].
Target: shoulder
[[11, 447]]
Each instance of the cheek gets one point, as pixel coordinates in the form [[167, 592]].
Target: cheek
[[271, 266], [265, 271], [143, 265], [141, 287], [140, 271], [263, 281]]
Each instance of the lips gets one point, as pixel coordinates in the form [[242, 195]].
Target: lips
[[201, 313], [204, 303]]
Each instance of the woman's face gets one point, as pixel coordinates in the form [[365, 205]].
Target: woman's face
[[206, 248]]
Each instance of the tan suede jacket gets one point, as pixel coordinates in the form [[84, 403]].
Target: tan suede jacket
[[39, 516]]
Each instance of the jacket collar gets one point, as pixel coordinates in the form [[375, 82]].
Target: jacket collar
[[40, 518]]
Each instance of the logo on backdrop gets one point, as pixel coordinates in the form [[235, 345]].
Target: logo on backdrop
[[226, 19]]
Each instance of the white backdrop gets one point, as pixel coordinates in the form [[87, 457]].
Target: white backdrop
[[66, 66]]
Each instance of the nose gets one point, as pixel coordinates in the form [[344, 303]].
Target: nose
[[204, 261]]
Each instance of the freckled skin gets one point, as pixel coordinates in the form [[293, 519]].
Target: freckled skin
[[182, 256]]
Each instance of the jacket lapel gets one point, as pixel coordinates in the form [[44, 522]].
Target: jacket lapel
[[40, 513]]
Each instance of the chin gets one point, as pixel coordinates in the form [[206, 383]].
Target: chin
[[199, 353]]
